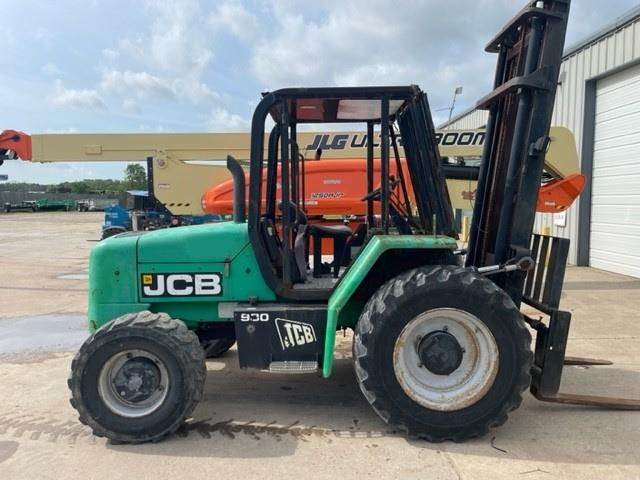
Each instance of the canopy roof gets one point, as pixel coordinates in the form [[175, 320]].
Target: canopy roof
[[340, 104]]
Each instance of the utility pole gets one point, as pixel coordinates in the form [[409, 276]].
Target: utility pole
[[457, 91]]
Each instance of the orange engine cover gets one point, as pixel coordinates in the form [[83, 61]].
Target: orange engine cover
[[331, 188]]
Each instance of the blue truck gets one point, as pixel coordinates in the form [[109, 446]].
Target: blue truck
[[143, 213]]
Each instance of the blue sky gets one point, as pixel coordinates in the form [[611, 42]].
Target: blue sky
[[190, 66]]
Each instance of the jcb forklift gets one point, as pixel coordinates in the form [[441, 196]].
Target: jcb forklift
[[441, 348]]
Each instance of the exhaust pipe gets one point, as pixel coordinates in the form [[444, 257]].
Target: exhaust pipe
[[238, 189]]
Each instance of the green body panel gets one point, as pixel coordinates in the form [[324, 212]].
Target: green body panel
[[206, 243], [341, 312], [113, 280], [117, 263]]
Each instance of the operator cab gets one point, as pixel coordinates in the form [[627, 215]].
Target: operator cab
[[303, 260]]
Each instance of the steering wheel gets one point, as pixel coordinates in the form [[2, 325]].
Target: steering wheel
[[375, 194]]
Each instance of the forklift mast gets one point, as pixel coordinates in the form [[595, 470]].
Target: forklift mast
[[529, 52]]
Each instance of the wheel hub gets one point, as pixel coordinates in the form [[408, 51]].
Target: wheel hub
[[445, 359], [137, 380], [133, 383], [440, 352]]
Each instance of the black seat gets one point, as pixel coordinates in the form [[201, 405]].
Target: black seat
[[300, 241], [340, 234]]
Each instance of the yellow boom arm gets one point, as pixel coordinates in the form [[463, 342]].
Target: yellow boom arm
[[185, 165]]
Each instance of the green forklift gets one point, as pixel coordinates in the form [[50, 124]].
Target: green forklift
[[440, 346]]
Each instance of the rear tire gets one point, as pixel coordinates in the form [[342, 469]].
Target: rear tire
[[137, 378], [215, 348], [454, 393]]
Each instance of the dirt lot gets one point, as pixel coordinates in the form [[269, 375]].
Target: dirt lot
[[275, 426]]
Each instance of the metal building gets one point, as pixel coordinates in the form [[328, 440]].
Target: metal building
[[599, 100]]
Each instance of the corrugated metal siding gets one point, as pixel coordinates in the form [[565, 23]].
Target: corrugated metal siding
[[609, 52], [471, 121], [620, 47]]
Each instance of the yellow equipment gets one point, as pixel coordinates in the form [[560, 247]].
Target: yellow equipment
[[182, 166]]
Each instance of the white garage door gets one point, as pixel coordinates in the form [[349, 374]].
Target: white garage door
[[615, 204]]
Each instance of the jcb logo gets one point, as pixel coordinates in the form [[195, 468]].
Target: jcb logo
[[181, 284], [294, 334]]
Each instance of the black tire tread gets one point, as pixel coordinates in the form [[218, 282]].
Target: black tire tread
[[365, 328], [215, 348], [188, 347]]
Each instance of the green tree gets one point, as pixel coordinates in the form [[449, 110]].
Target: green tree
[[80, 187], [135, 176]]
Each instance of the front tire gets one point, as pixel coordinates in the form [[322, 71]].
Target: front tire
[[442, 353], [137, 378]]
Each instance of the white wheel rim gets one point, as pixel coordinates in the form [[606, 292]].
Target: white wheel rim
[[464, 386], [115, 401]]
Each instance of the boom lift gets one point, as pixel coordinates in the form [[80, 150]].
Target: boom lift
[[177, 184], [441, 350], [332, 186]]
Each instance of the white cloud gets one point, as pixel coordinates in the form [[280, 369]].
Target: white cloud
[[143, 85], [81, 98], [130, 106], [135, 84], [110, 54], [221, 120], [176, 41], [51, 69], [233, 17], [171, 57], [190, 88], [364, 42], [437, 44]]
